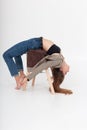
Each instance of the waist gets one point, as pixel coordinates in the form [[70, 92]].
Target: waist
[[46, 44], [49, 46]]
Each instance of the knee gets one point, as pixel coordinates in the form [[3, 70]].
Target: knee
[[5, 55]]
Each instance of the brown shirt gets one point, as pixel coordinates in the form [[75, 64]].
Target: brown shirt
[[55, 60]]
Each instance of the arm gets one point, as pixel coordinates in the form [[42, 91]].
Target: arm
[[45, 63]]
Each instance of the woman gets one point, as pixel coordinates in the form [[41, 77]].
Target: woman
[[14, 62]]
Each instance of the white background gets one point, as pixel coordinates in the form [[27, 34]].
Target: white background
[[65, 23]]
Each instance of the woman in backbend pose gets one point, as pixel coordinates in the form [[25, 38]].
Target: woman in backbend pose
[[13, 60]]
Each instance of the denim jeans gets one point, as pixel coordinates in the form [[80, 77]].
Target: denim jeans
[[13, 55]]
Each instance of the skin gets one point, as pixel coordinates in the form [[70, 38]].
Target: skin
[[21, 78], [64, 68], [46, 45]]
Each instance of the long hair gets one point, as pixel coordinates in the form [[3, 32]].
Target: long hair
[[58, 78]]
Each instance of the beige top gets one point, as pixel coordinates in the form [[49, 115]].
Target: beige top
[[55, 60]]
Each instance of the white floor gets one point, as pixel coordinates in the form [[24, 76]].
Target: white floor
[[37, 109]]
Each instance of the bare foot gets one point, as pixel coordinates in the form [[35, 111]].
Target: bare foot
[[19, 81], [24, 83], [18, 86]]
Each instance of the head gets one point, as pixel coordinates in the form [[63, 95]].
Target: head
[[64, 68], [58, 78]]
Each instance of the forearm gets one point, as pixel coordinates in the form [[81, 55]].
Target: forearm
[[39, 69]]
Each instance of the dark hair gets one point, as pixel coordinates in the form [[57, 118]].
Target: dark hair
[[58, 78]]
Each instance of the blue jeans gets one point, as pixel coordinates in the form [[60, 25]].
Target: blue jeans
[[13, 55]]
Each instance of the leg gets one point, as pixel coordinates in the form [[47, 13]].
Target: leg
[[15, 64], [19, 63], [21, 73], [18, 50], [17, 79]]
